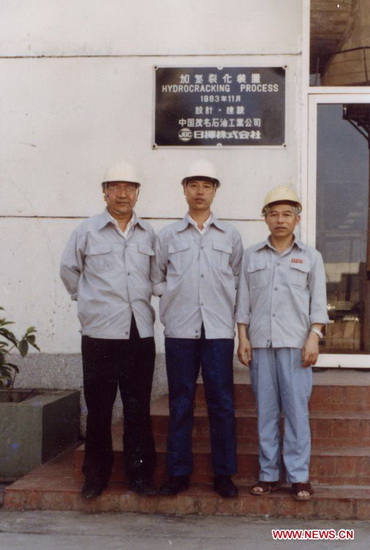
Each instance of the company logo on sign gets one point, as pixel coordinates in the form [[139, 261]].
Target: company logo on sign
[[185, 134]]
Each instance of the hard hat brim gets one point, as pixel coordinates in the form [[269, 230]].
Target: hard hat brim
[[122, 181], [215, 181], [284, 201]]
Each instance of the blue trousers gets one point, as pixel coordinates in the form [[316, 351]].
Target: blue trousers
[[184, 358], [281, 384]]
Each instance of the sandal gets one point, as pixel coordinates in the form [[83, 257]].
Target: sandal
[[299, 488], [266, 486]]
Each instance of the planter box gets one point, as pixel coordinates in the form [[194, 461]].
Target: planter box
[[35, 429]]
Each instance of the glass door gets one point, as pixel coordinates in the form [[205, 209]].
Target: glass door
[[339, 190]]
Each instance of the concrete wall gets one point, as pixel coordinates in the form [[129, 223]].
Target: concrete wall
[[78, 93]]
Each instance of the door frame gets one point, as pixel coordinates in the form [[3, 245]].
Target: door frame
[[345, 360]]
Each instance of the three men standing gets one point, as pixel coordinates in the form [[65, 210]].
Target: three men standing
[[106, 267], [281, 311], [112, 264], [197, 268]]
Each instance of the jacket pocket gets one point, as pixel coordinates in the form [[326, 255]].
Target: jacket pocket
[[258, 274], [145, 252], [298, 274], [221, 256], [179, 256], [100, 258]]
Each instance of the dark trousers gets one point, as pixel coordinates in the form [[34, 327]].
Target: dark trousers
[[184, 357], [129, 366]]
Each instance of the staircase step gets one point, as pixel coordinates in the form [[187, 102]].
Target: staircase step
[[339, 466], [328, 429], [334, 390], [340, 462], [54, 486], [340, 429], [202, 468]]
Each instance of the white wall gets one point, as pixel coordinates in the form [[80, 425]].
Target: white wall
[[88, 100], [149, 27]]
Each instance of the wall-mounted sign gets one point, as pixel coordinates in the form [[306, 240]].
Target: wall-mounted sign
[[219, 106]]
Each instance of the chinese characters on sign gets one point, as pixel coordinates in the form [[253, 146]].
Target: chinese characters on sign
[[207, 106]]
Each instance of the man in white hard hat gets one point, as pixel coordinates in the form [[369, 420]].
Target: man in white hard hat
[[197, 267], [281, 311], [106, 267]]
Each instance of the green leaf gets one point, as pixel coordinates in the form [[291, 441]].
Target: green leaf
[[31, 338], [5, 348], [6, 372], [23, 348], [35, 346], [4, 322], [5, 333], [13, 366]]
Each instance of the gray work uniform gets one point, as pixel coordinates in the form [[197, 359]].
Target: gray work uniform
[[108, 272], [109, 276], [279, 297], [196, 276]]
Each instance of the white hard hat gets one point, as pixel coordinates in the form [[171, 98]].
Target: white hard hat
[[281, 193], [202, 169], [121, 171]]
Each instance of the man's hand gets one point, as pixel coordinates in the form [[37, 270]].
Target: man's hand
[[310, 351], [244, 351]]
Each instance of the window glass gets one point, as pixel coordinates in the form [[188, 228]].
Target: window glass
[[342, 223]]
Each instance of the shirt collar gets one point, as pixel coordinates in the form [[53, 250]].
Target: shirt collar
[[267, 243], [105, 218], [205, 224], [184, 223]]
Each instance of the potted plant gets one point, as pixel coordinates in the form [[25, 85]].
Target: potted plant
[[8, 370], [35, 424]]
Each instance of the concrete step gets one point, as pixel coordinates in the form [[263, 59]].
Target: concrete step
[[54, 486]]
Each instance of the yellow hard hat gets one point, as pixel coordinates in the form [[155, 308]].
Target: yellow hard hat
[[121, 171], [202, 169], [281, 193]]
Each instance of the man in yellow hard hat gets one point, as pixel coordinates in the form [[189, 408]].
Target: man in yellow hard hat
[[197, 267], [106, 268], [281, 311]]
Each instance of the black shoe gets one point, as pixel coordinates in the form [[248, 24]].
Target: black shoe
[[224, 486], [174, 485], [93, 488], [142, 487]]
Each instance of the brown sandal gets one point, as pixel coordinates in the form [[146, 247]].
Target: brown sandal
[[299, 488], [266, 486]]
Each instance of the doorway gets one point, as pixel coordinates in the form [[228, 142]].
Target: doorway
[[339, 176]]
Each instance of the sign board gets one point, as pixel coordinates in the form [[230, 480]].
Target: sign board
[[219, 106]]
